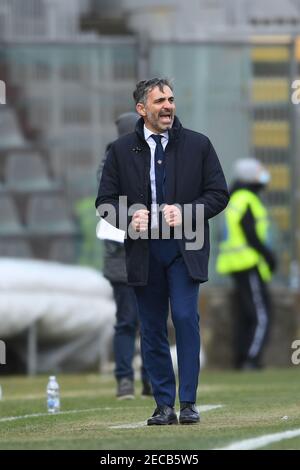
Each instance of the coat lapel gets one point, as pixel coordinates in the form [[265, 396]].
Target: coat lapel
[[170, 154], [141, 161]]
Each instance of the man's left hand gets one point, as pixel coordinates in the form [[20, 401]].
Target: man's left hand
[[172, 215]]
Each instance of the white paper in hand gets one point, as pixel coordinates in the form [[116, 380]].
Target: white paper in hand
[[106, 231]]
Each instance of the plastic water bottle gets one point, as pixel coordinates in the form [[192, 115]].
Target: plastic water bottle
[[53, 399]]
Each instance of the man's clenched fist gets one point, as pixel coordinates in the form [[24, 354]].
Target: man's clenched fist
[[172, 215], [140, 220]]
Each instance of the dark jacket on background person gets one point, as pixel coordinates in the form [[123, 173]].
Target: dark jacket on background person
[[114, 263], [114, 267], [193, 176]]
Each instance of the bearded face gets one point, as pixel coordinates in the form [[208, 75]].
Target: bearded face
[[159, 110]]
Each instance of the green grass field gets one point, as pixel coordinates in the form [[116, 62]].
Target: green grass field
[[253, 405]]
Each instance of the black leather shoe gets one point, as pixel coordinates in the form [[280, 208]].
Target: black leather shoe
[[188, 413], [163, 415], [125, 390]]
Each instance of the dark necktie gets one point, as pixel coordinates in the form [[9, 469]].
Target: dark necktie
[[159, 157]]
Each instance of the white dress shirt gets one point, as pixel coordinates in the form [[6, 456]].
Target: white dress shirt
[[152, 144]]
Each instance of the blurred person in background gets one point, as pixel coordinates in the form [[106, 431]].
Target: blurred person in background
[[246, 256], [114, 270]]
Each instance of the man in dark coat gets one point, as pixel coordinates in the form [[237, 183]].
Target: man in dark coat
[[163, 164]]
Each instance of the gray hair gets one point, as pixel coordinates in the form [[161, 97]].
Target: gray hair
[[144, 86]]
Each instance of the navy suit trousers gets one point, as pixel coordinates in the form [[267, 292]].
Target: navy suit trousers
[[169, 281]]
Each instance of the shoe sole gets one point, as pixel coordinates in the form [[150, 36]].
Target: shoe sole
[[126, 397], [175, 421], [189, 421]]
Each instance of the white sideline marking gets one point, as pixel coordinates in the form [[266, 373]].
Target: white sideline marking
[[262, 441], [36, 415], [106, 408], [141, 424]]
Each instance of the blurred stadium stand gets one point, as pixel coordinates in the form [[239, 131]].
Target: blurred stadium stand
[[10, 225], [33, 207], [15, 248], [74, 121], [233, 63], [272, 134], [48, 215], [26, 173]]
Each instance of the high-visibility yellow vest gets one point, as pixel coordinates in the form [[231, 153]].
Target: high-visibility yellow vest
[[235, 252]]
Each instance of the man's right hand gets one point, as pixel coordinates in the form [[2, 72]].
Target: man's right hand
[[140, 220]]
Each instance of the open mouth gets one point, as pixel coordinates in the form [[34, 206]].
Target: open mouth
[[166, 117]]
